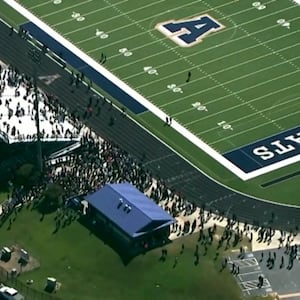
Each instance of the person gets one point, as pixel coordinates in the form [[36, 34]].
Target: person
[[167, 120], [189, 76], [101, 58]]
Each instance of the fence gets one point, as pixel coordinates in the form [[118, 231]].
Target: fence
[[24, 289]]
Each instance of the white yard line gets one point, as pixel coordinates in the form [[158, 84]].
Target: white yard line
[[255, 127], [228, 68], [199, 68], [237, 106], [151, 30], [86, 14], [210, 36], [200, 52], [57, 11], [262, 43], [142, 20], [112, 5], [231, 81], [258, 112], [219, 84], [225, 96], [41, 4], [261, 97]]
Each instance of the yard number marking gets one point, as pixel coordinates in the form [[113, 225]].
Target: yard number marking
[[284, 23], [225, 125], [174, 88], [57, 1], [258, 5], [77, 16], [101, 34], [150, 70], [125, 52], [199, 106]]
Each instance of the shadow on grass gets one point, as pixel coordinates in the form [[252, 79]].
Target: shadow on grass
[[44, 208], [126, 251]]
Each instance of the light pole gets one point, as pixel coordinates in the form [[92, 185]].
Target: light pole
[[35, 56]]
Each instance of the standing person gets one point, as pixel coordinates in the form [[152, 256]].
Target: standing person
[[167, 120], [189, 76], [101, 58]]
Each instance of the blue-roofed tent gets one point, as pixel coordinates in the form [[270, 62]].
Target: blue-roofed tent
[[129, 209]]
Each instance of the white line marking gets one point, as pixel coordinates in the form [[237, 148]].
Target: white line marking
[[41, 4], [250, 273], [245, 89], [230, 68], [151, 30], [207, 49], [259, 126], [65, 8], [86, 14]]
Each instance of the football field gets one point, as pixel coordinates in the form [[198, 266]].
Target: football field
[[226, 72]]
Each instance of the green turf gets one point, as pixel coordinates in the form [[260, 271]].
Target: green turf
[[3, 196], [246, 74], [88, 269]]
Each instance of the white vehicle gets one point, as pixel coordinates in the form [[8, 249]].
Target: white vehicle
[[8, 293]]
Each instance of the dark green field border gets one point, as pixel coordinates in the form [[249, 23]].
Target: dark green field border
[[281, 179], [211, 167]]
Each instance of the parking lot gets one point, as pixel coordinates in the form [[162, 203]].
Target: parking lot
[[281, 280], [249, 272]]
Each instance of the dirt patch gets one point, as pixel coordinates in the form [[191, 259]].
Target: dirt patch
[[20, 266]]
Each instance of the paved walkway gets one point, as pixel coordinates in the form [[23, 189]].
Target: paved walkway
[[220, 222]]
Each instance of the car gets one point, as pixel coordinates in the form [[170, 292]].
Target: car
[[8, 293], [74, 203]]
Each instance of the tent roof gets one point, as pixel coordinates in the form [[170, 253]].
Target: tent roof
[[129, 209]]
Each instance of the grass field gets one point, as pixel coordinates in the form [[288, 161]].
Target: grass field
[[88, 269], [3, 196], [244, 78]]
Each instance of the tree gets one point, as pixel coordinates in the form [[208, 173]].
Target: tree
[[51, 198], [27, 175]]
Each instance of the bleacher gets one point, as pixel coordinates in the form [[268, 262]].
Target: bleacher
[[18, 113]]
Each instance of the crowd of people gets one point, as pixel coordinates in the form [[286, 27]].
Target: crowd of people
[[98, 162], [85, 170], [18, 106]]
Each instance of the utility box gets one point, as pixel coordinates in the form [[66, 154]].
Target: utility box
[[5, 254]]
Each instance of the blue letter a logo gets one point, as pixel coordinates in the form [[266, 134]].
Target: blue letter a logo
[[187, 33]]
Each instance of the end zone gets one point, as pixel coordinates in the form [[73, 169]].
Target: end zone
[[273, 152]]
